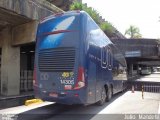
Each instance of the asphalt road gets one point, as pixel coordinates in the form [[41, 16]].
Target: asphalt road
[[122, 104], [126, 105]]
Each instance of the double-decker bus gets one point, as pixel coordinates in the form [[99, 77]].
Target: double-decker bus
[[75, 62]]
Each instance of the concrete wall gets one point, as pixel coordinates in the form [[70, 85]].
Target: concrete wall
[[25, 33], [63, 4], [10, 65], [20, 14], [18, 17], [33, 9]]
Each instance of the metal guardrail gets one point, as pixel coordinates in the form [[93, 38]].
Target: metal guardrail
[[150, 87]]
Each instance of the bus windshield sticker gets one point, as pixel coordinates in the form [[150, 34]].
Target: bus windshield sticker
[[67, 74], [67, 78], [67, 82]]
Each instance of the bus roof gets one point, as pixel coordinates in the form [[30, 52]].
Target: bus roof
[[61, 14]]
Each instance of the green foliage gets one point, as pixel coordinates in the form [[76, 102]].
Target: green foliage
[[105, 26], [93, 13], [133, 32], [76, 6]]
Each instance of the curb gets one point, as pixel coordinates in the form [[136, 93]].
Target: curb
[[14, 97], [33, 101]]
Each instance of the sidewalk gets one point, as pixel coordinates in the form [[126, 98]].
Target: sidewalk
[[132, 103], [22, 95], [132, 78], [16, 100]]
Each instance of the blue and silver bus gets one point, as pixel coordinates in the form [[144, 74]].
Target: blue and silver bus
[[75, 62]]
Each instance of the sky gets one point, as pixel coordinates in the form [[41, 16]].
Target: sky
[[144, 14]]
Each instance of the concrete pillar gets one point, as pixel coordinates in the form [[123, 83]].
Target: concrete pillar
[[131, 69], [138, 69], [10, 65]]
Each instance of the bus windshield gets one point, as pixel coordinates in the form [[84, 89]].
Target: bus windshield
[[51, 33]]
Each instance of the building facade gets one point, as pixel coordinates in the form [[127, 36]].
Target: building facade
[[18, 26]]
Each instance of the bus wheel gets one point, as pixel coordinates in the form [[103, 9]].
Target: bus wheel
[[103, 97], [109, 94]]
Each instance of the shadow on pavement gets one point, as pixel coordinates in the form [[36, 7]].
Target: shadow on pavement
[[66, 112], [7, 103]]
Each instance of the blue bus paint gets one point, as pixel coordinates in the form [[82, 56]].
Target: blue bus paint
[[75, 61]]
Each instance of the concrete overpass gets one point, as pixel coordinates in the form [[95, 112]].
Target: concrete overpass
[[139, 52], [139, 49], [18, 25]]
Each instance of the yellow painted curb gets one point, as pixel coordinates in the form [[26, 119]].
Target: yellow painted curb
[[32, 101]]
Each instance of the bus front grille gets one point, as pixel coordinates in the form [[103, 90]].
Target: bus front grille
[[57, 59]]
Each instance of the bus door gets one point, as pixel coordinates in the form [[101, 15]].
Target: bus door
[[92, 82], [99, 82]]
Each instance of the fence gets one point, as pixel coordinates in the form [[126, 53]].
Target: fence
[[149, 87], [26, 80]]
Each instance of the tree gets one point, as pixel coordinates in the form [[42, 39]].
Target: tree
[[105, 26], [80, 6], [133, 32], [77, 6]]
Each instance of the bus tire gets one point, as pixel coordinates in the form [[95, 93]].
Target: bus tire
[[109, 93], [103, 97]]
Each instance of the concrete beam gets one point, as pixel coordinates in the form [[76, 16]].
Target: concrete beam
[[24, 34], [33, 9], [10, 65], [49, 6], [141, 48], [57, 2], [63, 4], [150, 63], [12, 18]]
